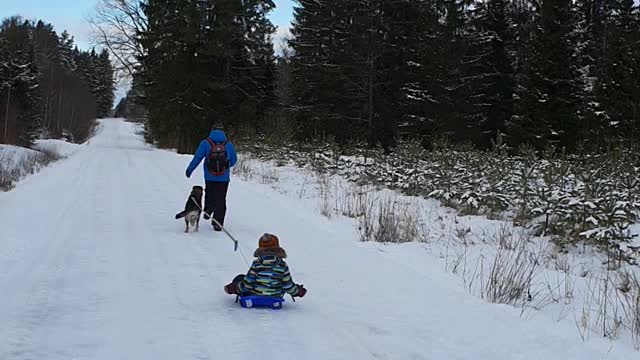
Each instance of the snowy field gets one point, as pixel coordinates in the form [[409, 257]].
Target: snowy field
[[491, 259], [107, 273]]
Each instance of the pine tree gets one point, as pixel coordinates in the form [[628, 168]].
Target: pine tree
[[42, 85], [547, 102], [617, 86], [65, 52], [452, 101], [122, 108], [105, 86], [488, 77], [350, 73], [591, 15], [423, 91], [319, 90], [258, 77], [168, 69], [18, 83], [206, 62]]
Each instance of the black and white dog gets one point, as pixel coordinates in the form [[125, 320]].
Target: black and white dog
[[192, 209]]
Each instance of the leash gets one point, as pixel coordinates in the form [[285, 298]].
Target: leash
[[235, 242]]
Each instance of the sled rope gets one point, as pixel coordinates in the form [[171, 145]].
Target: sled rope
[[235, 242]]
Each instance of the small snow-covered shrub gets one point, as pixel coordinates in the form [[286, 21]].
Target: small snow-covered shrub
[[586, 198], [243, 169], [390, 220], [268, 176], [634, 305], [327, 192], [16, 164], [611, 306], [6, 178], [512, 273], [352, 202], [628, 288]]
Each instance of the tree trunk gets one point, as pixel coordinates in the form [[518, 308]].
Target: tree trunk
[[371, 130], [59, 111], [73, 111], [47, 113], [6, 117]]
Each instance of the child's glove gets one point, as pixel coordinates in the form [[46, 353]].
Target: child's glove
[[187, 173], [301, 291], [231, 289]]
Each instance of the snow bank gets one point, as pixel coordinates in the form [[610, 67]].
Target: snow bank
[[58, 147], [492, 259], [17, 162], [12, 156], [550, 194]]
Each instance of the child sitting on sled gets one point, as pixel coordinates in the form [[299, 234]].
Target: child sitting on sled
[[269, 274]]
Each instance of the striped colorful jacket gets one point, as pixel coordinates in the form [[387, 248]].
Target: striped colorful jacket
[[268, 276]]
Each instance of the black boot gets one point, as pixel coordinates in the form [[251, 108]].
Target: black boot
[[215, 226]]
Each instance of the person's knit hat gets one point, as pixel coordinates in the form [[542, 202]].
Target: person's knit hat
[[268, 241], [218, 125]]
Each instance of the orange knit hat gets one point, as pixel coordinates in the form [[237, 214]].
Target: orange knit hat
[[268, 241]]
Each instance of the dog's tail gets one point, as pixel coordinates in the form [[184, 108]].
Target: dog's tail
[[181, 214]]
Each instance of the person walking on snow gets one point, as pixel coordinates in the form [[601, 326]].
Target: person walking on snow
[[269, 274], [219, 157]]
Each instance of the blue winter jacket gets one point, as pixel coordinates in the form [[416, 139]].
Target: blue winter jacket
[[203, 151]]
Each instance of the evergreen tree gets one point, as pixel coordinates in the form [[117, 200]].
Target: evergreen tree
[[547, 98], [488, 77], [590, 30], [105, 85], [617, 86], [43, 90], [18, 83], [350, 70], [320, 39], [122, 109], [206, 62]]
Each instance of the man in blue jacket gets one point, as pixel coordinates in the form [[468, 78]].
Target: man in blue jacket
[[219, 156]]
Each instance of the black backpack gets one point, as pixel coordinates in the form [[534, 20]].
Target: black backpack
[[217, 161]]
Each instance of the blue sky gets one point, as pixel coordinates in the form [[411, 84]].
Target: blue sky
[[63, 14], [283, 13], [72, 14]]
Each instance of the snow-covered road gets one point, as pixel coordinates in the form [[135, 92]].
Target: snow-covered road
[[93, 266]]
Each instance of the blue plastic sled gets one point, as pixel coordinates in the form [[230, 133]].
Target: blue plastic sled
[[261, 302]]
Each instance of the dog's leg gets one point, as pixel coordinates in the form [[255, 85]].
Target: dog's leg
[[197, 222], [186, 225]]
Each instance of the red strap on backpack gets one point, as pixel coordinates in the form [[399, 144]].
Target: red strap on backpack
[[213, 147], [212, 143]]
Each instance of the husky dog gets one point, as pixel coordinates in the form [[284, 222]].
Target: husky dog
[[192, 209]]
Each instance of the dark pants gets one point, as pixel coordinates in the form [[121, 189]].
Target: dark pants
[[215, 200]]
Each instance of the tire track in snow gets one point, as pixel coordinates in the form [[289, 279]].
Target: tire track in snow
[[184, 315], [156, 292], [31, 209], [34, 283], [224, 317], [267, 320]]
